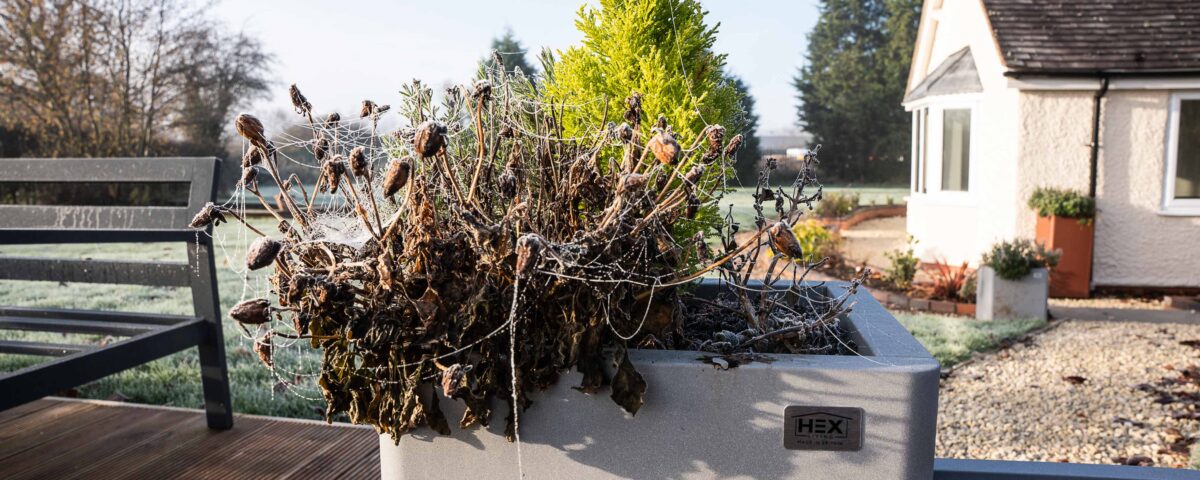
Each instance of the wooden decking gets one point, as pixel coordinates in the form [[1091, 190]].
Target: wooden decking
[[63, 438]]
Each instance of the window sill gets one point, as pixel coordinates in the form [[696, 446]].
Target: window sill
[[1179, 212]]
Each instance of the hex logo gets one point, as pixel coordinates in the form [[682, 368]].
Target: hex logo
[[823, 428]]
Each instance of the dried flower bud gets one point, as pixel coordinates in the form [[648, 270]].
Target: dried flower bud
[[298, 101], [664, 147], [249, 175], [397, 176], [625, 132], [702, 251], [506, 131], [368, 108], [508, 183], [332, 120], [529, 253], [482, 91], [209, 214], [254, 311], [716, 136], [661, 123], [288, 231], [250, 128], [734, 145], [263, 347], [693, 206], [358, 162], [262, 252], [784, 241], [452, 380], [430, 138], [693, 176], [321, 148], [767, 195]]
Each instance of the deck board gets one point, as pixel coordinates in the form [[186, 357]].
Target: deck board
[[64, 438]]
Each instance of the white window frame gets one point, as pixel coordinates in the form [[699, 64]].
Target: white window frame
[[1172, 206], [931, 151]]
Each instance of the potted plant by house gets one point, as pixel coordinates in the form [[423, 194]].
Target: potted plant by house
[[1013, 281], [475, 263], [1065, 223]]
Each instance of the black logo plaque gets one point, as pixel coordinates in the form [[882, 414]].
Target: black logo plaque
[[838, 429]]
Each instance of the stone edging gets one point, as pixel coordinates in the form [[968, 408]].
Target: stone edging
[[899, 301]]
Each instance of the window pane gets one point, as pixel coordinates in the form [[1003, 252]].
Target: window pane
[[956, 149], [1187, 162]]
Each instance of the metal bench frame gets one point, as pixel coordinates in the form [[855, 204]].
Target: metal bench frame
[[150, 336]]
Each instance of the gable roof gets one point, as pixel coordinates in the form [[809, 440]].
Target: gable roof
[[956, 74], [1064, 37]]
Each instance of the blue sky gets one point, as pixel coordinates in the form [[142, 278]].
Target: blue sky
[[342, 52]]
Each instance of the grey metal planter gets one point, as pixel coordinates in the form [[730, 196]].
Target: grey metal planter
[[801, 416], [997, 298]]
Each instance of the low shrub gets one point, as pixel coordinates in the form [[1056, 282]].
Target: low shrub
[[1013, 260], [1062, 203], [903, 267], [948, 281], [837, 205], [816, 241]]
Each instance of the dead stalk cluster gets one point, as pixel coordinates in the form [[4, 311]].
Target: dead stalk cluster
[[478, 219]]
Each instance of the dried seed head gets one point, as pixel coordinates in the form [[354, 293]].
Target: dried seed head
[[693, 206], [368, 109], [734, 145], [664, 147], [209, 214], [249, 175], [430, 138], [254, 311], [506, 131], [625, 132], [482, 91], [661, 123], [716, 136], [321, 148], [262, 347], [633, 110], [333, 171], [358, 162], [631, 184], [702, 251], [767, 195], [397, 176], [508, 183], [529, 253], [250, 128], [298, 101], [784, 241], [332, 120], [253, 156], [262, 252]]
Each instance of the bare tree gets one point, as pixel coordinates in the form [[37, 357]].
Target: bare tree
[[122, 77]]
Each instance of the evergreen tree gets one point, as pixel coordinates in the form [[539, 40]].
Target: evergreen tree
[[851, 88], [660, 48], [512, 53], [747, 163]]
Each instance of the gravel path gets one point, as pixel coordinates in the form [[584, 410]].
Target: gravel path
[[1085, 392]]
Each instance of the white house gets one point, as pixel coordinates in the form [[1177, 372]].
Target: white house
[[1099, 95]]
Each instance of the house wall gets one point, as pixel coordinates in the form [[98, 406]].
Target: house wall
[[959, 226], [1135, 244]]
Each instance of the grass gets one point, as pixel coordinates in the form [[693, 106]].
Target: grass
[[742, 199], [952, 339]]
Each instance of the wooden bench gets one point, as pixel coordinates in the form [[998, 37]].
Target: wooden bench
[[108, 200]]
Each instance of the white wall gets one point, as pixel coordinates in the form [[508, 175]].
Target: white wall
[[959, 226]]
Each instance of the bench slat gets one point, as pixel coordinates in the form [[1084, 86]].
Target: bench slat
[[75, 326], [40, 348], [159, 274], [97, 315]]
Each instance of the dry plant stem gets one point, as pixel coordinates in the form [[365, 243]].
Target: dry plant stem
[[287, 197], [266, 205], [243, 222], [303, 191]]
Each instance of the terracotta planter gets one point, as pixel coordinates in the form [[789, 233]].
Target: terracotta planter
[[1072, 277]]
